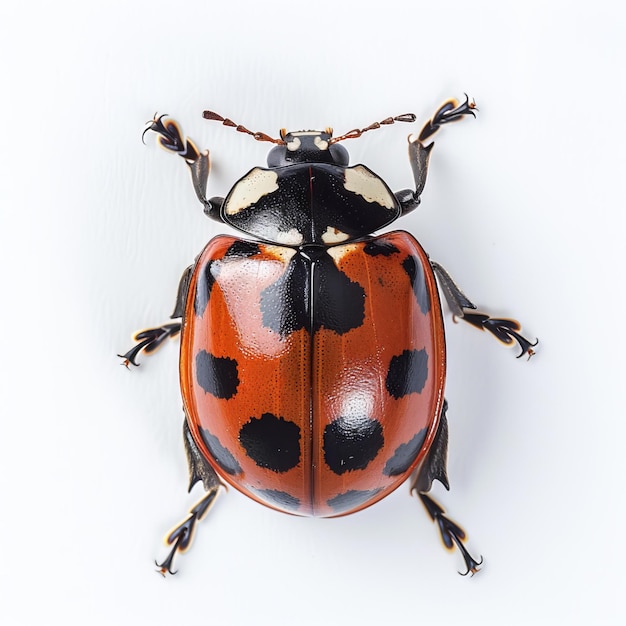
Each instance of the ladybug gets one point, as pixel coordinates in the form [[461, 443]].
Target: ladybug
[[312, 358]]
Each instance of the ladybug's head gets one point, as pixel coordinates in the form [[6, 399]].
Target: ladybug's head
[[307, 146]]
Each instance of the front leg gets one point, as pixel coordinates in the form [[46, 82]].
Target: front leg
[[505, 330], [419, 154], [172, 139]]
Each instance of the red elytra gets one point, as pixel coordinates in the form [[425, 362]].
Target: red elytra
[[314, 381], [313, 359]]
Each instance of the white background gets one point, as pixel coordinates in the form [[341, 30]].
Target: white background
[[524, 206]]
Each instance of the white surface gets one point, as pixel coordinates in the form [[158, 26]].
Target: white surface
[[524, 206]]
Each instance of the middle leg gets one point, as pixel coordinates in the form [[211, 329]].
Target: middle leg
[[505, 330]]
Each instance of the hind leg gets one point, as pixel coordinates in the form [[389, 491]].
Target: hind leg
[[434, 468], [199, 470]]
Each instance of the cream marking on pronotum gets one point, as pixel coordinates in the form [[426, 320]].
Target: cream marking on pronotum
[[366, 184], [256, 184], [292, 237], [333, 235]]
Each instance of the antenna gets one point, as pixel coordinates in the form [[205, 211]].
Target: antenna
[[356, 132], [210, 115]]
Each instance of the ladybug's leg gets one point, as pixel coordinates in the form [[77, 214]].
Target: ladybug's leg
[[199, 470], [150, 339], [505, 330], [434, 468], [172, 139], [419, 153]]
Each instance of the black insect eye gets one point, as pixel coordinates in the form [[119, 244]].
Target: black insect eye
[[277, 157], [339, 154]]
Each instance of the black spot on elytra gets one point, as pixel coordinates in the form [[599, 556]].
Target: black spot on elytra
[[285, 303], [404, 455], [351, 499], [221, 455], [204, 286], [378, 247], [206, 280], [242, 249], [350, 443], [278, 498], [217, 375], [339, 303], [271, 442], [407, 373], [413, 267]]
